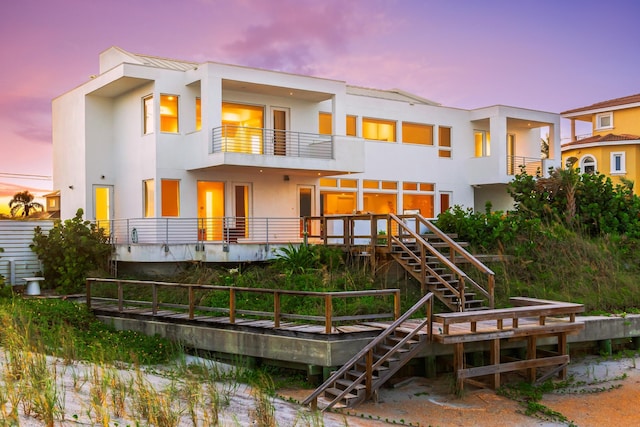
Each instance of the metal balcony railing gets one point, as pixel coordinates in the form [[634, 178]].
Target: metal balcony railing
[[532, 165], [203, 230], [271, 142]]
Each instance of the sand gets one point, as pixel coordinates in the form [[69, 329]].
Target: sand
[[601, 393]]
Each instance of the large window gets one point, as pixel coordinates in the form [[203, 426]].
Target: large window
[[170, 189], [338, 196], [604, 120], [379, 130], [482, 143], [618, 163], [149, 190], [169, 113], [418, 197], [242, 128], [415, 133], [381, 197], [198, 114], [325, 124], [147, 107], [351, 125], [444, 141]]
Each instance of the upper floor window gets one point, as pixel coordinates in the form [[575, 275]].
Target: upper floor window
[[170, 197], [147, 106], [198, 114], [351, 125], [379, 130], [325, 124], [604, 120], [148, 189], [482, 143], [588, 164], [618, 163], [169, 113], [444, 141], [416, 133]]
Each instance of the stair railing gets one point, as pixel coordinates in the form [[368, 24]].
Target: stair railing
[[455, 250], [367, 353]]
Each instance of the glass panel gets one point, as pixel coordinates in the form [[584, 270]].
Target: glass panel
[[242, 128], [210, 210], [338, 203], [367, 183], [420, 202], [444, 136], [410, 186], [351, 125], [389, 185], [149, 198], [170, 191], [379, 130], [325, 124], [148, 114], [169, 113], [348, 183], [198, 114], [328, 182], [415, 133], [379, 203]]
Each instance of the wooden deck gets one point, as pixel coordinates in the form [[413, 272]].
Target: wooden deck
[[529, 320]]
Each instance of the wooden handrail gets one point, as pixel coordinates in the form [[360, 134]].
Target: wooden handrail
[[329, 317], [366, 351]]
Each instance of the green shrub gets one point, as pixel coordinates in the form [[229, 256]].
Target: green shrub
[[69, 251]]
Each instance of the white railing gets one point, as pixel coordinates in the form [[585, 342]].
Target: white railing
[[203, 230], [270, 142], [532, 165]]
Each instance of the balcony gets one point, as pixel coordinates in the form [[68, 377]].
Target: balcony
[[278, 151], [270, 142], [531, 165]]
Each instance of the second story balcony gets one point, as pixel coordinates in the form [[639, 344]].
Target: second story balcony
[[284, 150]]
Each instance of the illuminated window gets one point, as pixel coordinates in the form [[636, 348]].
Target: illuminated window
[[328, 182], [379, 203], [418, 196], [198, 114], [444, 141], [149, 198], [348, 183], [379, 130], [337, 203], [482, 143], [351, 125], [367, 183], [588, 164], [147, 106], [242, 128], [389, 185], [169, 113], [170, 191], [415, 133], [325, 124]]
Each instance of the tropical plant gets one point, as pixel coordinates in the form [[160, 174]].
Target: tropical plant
[[70, 250], [23, 201]]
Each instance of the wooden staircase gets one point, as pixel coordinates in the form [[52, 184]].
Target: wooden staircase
[[361, 377], [435, 260]]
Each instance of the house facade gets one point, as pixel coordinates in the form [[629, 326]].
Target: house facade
[[613, 146], [168, 152]]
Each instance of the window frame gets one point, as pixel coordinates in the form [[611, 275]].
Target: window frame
[[482, 148], [367, 121], [623, 166], [420, 127], [583, 167], [165, 116], [601, 116], [445, 151], [148, 115]]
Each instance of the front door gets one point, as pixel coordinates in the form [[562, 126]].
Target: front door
[[280, 126], [210, 210]]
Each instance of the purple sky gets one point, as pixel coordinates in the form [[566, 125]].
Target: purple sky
[[550, 55]]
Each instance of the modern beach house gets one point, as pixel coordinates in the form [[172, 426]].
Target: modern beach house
[[182, 160]]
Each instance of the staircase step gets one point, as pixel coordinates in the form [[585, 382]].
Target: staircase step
[[388, 348], [354, 373], [333, 392]]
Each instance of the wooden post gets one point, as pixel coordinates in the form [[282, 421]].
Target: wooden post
[[495, 360], [458, 365], [562, 350], [396, 305], [276, 309], [232, 305], [531, 354], [192, 303], [369, 374], [492, 284], [328, 308], [120, 297], [154, 298]]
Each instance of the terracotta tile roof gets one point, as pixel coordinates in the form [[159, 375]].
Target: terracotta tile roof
[[602, 138], [631, 99]]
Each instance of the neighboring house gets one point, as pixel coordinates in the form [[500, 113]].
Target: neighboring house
[[166, 153], [613, 147]]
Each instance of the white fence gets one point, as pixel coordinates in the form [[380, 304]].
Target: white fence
[[18, 260]]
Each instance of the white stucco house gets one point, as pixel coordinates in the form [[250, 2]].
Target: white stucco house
[[184, 160]]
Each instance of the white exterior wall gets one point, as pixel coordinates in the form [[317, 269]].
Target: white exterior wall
[[98, 131]]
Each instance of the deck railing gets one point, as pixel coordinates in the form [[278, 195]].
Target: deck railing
[[113, 293], [200, 230], [271, 142], [532, 165]]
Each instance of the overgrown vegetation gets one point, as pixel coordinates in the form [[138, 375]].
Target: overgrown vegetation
[[571, 237], [69, 251]]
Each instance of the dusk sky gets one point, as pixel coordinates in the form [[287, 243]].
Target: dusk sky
[[550, 55]]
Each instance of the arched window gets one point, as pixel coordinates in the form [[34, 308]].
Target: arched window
[[570, 162], [588, 164]]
